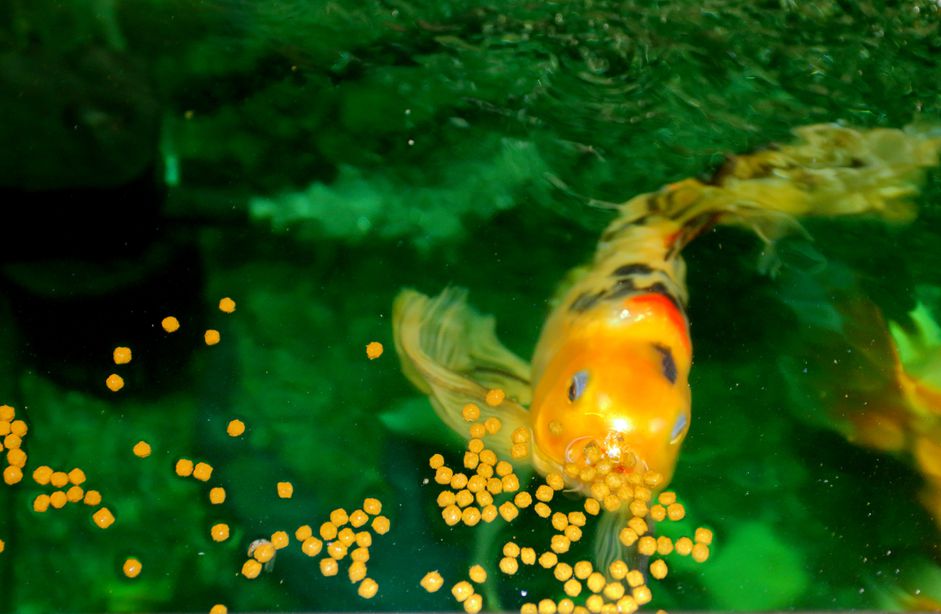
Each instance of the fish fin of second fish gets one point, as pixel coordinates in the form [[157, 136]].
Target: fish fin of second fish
[[452, 354], [608, 546]]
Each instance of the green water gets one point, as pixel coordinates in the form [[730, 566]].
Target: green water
[[309, 159]]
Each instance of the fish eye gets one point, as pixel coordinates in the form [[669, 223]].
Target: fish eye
[[679, 427], [577, 385]]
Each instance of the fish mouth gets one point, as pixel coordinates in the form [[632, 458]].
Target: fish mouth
[[587, 459]]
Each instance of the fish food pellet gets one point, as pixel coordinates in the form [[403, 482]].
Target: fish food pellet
[[114, 382], [211, 336], [103, 518], [634, 578], [489, 513], [451, 515], [42, 474], [373, 350], [202, 472], [462, 590], [572, 587], [658, 512], [528, 608], [523, 499], [329, 567], [470, 412], [364, 539], [373, 506], [562, 572], [16, 457], [566, 606], [508, 511], [613, 591], [360, 554], [251, 568], [170, 324], [592, 506], [357, 571], [642, 595], [484, 498], [280, 539], [544, 493], [595, 582], [12, 441], [443, 475], [336, 550], [664, 545], [184, 467], [511, 549], [217, 495], [132, 568], [432, 582], [141, 449], [594, 603], [639, 525], [519, 450], [436, 461], [703, 536], [380, 525], [446, 498], [311, 546], [7, 413], [471, 460], [573, 533], [560, 544], [618, 569], [509, 565], [58, 499], [346, 536], [219, 532], [12, 475], [358, 518], [235, 428], [339, 517], [548, 559], [41, 503], [218, 609], [528, 556], [542, 510], [477, 574], [494, 397], [555, 481], [667, 498], [492, 425], [285, 490], [121, 355], [470, 516], [658, 569], [226, 305], [477, 431], [473, 604], [647, 545], [582, 569], [264, 552], [676, 511], [546, 606], [92, 497], [75, 494], [559, 521], [464, 498], [700, 552], [683, 546]]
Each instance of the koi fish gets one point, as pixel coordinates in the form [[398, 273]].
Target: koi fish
[[611, 367]]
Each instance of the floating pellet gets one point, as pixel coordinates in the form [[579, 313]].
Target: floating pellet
[[251, 568], [219, 532], [329, 567], [477, 431], [59, 479], [92, 497], [311, 546], [658, 569], [211, 336], [364, 539], [12, 441], [594, 603], [477, 574], [432, 582], [226, 305], [542, 509], [566, 606], [443, 475], [548, 559], [121, 355], [572, 587], [19, 428], [42, 474], [508, 511], [546, 606], [592, 506], [471, 460], [560, 544], [285, 490], [495, 486], [235, 428], [263, 552], [446, 498], [639, 525], [658, 512], [373, 506], [653, 479], [492, 425], [114, 382], [339, 517], [473, 604], [667, 497], [562, 572], [41, 503], [336, 550], [523, 500], [458, 481], [511, 549], [357, 571], [170, 324], [374, 350], [484, 498], [464, 498], [676, 511], [703, 536], [647, 545], [328, 531], [360, 554], [683, 546], [12, 475], [700, 552], [462, 590], [494, 397], [582, 569], [634, 578], [488, 456], [485, 471], [132, 568], [519, 450], [664, 545], [470, 516], [613, 591], [346, 536], [280, 539], [202, 472], [17, 458], [510, 483], [642, 493], [184, 468], [599, 490], [451, 515], [218, 609], [503, 469], [470, 412], [528, 556], [103, 518], [358, 518], [595, 582], [544, 493], [509, 565], [555, 480], [627, 536], [436, 461], [528, 608], [489, 513], [58, 499], [618, 569], [141, 449], [75, 494], [559, 521], [7, 413], [642, 595], [217, 495], [573, 533], [638, 508]]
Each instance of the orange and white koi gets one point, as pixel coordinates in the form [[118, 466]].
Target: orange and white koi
[[612, 363]]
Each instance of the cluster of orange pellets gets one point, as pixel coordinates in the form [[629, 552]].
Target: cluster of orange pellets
[[610, 484], [12, 432], [344, 535]]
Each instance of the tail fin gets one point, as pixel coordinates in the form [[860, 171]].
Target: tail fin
[[829, 170], [451, 353]]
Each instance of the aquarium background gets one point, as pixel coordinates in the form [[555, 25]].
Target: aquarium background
[[310, 159]]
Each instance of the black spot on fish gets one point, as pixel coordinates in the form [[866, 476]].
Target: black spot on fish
[[638, 268], [667, 363], [586, 300], [621, 288]]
